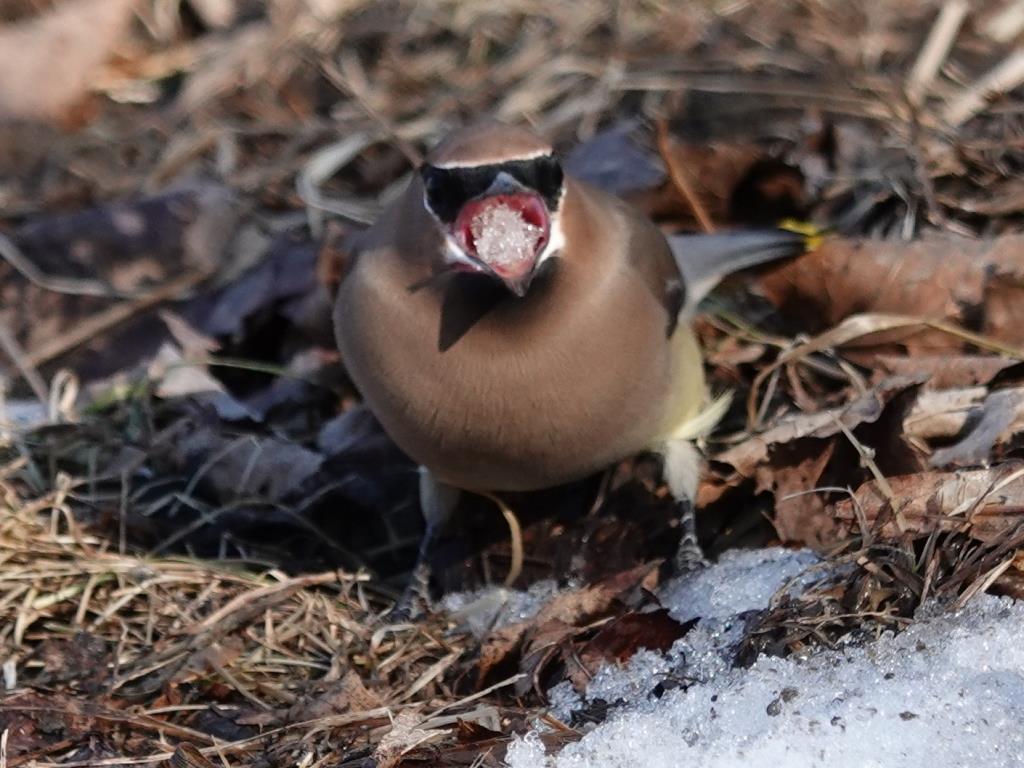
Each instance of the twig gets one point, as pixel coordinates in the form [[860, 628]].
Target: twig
[[23, 362], [70, 286], [1001, 79], [109, 318], [1007, 24], [347, 86], [935, 50], [516, 536]]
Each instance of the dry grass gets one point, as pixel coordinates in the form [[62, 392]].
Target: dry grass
[[139, 646]]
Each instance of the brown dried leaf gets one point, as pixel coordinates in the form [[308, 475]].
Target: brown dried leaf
[[404, 736], [800, 515], [619, 639], [595, 600], [979, 420], [755, 450], [537, 640], [986, 503], [942, 371], [936, 278], [730, 181], [1004, 298], [498, 648]]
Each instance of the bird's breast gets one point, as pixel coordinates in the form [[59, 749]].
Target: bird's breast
[[529, 396]]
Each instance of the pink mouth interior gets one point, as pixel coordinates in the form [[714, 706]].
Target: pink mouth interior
[[477, 215]]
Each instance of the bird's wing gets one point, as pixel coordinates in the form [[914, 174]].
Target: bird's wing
[[705, 260]]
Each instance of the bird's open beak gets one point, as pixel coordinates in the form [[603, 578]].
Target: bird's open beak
[[502, 234]]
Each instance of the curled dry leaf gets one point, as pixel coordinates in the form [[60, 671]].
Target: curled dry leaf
[[937, 278], [985, 503], [977, 419], [746, 456], [943, 371], [800, 514], [535, 641], [618, 640]]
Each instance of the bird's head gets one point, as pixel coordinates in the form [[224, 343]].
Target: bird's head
[[495, 191]]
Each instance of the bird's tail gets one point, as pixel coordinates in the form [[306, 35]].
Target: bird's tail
[[705, 260]]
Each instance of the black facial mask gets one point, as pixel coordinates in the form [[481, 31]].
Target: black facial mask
[[448, 189]]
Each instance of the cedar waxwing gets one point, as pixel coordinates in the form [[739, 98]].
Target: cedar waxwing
[[513, 328]]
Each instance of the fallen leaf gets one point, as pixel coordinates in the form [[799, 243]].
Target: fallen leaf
[[1004, 297], [986, 503], [731, 181], [800, 513], [232, 468], [936, 278], [534, 642], [746, 456], [68, 272], [615, 161], [592, 601], [334, 697], [500, 647], [174, 376], [976, 420], [942, 371], [1001, 416], [618, 640]]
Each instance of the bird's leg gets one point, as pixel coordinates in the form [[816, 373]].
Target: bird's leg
[[689, 557], [437, 501], [682, 471]]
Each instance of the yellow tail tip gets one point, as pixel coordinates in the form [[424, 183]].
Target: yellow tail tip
[[813, 235]]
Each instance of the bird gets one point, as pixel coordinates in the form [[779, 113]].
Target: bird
[[514, 328]]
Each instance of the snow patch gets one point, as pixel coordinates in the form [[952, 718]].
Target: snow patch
[[949, 690]]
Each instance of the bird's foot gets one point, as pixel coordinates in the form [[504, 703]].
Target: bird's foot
[[415, 600], [689, 557]]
